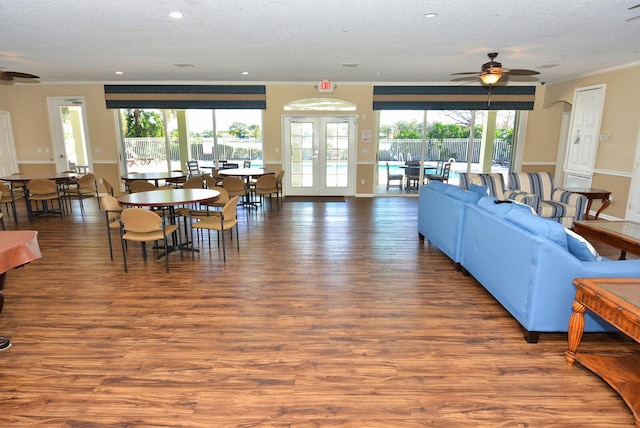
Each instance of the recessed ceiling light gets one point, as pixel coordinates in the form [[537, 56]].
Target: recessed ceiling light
[[430, 15], [378, 73], [176, 15], [244, 73], [184, 65], [350, 64], [119, 72]]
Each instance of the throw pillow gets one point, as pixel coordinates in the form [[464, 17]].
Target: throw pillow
[[581, 248], [480, 190]]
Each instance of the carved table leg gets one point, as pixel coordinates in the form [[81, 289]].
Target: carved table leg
[[605, 204], [576, 328]]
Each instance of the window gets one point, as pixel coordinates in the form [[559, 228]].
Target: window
[[164, 139]]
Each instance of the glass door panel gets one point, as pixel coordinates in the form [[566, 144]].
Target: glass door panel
[[319, 153]]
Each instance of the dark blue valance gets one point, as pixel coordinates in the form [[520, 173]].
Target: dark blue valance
[[453, 98], [186, 96]]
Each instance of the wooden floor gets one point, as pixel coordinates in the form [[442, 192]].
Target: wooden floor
[[331, 315]]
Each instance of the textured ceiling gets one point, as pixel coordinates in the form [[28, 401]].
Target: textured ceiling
[[312, 40]]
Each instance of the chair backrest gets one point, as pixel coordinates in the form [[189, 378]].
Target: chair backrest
[[141, 186], [446, 169], [6, 191], [224, 195], [193, 168], [72, 166], [230, 210], [279, 176], [210, 181], [233, 184], [111, 206], [246, 164], [140, 220], [42, 186], [194, 183], [87, 181], [267, 182], [107, 186], [538, 183]]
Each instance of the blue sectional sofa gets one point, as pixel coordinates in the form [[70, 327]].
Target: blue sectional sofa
[[526, 262]]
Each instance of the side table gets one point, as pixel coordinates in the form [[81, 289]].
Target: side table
[[592, 194], [617, 301]]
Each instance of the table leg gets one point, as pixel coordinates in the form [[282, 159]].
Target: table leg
[[588, 210], [605, 203], [576, 328]]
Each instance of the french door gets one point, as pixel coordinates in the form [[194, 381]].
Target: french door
[[319, 155], [69, 130]]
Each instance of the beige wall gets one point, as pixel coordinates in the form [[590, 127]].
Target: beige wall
[[621, 119], [614, 165], [360, 95]]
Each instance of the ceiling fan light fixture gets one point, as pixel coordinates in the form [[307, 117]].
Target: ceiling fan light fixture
[[491, 77]]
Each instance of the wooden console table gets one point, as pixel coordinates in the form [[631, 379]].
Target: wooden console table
[[617, 301]]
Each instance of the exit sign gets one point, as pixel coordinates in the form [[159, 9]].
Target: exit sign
[[325, 86]]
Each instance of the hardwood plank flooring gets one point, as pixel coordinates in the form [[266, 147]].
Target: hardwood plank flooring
[[331, 315]]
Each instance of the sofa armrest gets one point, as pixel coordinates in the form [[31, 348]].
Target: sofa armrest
[[523, 197], [572, 199]]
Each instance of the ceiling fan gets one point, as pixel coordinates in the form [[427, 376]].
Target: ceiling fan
[[492, 72], [635, 17], [10, 75]]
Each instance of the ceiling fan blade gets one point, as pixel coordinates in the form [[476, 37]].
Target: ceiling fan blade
[[12, 74], [466, 72], [5, 78], [522, 72], [633, 7], [466, 79]]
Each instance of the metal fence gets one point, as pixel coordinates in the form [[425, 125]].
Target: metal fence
[[457, 148], [201, 149]]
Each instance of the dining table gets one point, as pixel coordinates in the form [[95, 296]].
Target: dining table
[[154, 176], [21, 180], [169, 199], [17, 248]]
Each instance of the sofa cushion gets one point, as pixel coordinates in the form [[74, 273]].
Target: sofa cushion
[[462, 195], [488, 204], [539, 226], [581, 248], [438, 186], [480, 190]]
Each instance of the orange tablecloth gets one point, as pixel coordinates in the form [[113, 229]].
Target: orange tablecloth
[[17, 248]]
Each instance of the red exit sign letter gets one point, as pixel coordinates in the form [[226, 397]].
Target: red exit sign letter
[[325, 86]]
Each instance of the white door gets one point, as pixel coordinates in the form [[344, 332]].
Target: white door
[[69, 131], [319, 153], [8, 158], [633, 205], [582, 147]]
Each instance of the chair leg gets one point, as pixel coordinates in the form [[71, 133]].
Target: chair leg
[[237, 237], [110, 245], [124, 254], [224, 252]]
